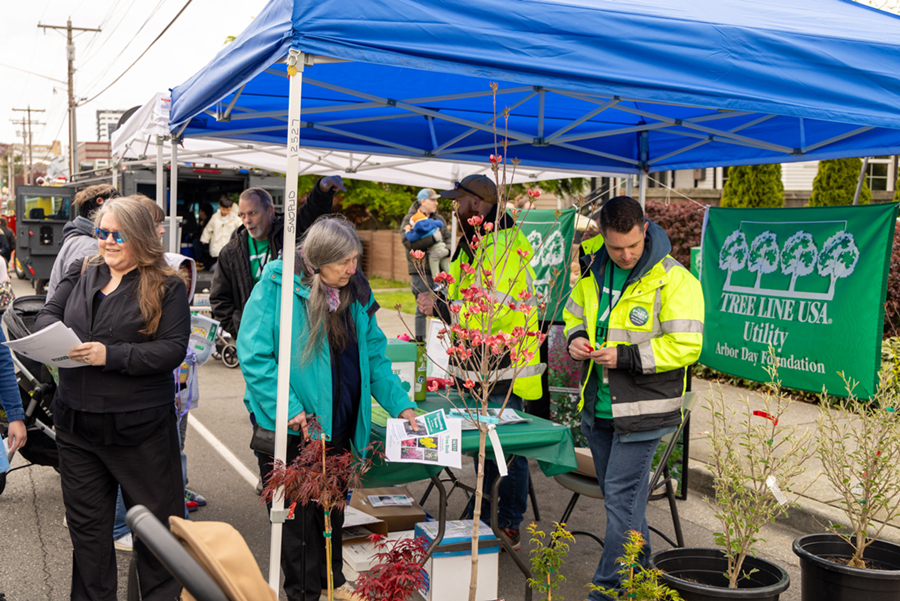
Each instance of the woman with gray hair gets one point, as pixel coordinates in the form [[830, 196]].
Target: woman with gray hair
[[335, 334]]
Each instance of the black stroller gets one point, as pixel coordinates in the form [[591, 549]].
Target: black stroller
[[36, 386]]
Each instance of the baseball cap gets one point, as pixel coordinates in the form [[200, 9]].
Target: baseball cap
[[476, 185], [426, 193]]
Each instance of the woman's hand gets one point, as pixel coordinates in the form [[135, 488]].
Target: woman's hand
[[580, 349], [410, 416], [92, 353], [16, 436], [298, 422]]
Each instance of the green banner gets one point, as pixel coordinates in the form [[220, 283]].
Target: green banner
[[809, 282], [551, 238]]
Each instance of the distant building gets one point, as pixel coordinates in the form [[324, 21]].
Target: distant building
[[106, 124], [93, 155]]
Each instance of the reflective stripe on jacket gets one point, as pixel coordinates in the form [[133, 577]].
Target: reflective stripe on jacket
[[659, 322]]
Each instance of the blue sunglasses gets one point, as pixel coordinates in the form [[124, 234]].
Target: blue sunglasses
[[103, 234]]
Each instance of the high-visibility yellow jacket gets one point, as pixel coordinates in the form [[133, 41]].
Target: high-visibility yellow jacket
[[657, 326], [511, 274]]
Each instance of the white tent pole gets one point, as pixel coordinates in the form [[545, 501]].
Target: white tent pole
[[295, 67], [643, 189], [174, 245], [160, 176], [629, 185], [862, 178], [115, 175]]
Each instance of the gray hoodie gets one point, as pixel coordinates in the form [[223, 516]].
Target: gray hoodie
[[78, 242]]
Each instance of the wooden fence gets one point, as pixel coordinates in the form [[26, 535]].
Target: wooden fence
[[384, 255]]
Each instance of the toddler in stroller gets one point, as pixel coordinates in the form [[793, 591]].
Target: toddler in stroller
[[36, 387]]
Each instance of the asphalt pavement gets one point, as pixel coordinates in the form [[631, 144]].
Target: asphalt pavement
[[35, 561]]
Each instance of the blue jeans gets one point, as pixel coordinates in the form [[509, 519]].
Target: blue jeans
[[513, 489], [623, 472]]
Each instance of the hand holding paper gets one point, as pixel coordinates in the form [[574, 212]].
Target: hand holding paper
[[50, 346]]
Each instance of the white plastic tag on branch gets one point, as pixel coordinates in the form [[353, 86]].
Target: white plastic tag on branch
[[773, 486], [498, 450]]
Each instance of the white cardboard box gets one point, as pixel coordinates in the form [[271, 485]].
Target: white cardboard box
[[447, 573], [361, 556]]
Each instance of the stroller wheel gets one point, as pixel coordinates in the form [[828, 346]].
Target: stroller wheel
[[2, 482], [229, 356]]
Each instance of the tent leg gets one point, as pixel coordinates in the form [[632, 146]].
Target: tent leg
[[862, 178], [174, 242], [642, 192], [629, 185], [160, 175], [295, 71]]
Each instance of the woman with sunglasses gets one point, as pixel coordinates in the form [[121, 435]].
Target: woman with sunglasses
[[114, 417]]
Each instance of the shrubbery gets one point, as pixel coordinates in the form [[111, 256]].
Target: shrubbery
[[835, 184], [683, 222], [754, 186]]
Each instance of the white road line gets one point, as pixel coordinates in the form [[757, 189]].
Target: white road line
[[251, 477]]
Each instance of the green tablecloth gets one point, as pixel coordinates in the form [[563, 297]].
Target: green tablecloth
[[549, 443]]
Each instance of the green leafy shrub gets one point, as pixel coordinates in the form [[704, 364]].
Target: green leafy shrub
[[683, 223], [638, 584], [835, 184], [754, 186]]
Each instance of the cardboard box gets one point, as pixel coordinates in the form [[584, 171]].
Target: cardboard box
[[585, 463], [396, 518], [353, 518], [361, 557], [443, 568], [402, 355]]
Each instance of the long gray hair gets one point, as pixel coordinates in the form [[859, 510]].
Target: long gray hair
[[329, 240]]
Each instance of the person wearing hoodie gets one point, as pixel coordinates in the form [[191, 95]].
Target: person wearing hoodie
[[635, 322], [78, 235]]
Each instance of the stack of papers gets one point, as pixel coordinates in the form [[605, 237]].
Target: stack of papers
[[50, 346]]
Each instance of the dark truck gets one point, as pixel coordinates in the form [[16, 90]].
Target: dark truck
[[43, 211]]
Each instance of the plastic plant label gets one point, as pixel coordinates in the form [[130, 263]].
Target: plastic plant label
[[498, 450], [773, 486]]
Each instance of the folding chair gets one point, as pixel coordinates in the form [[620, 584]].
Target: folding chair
[[662, 484]]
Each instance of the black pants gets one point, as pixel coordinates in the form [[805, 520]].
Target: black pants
[[145, 461], [292, 540]]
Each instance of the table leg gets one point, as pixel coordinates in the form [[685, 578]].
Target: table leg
[[495, 517], [442, 516]]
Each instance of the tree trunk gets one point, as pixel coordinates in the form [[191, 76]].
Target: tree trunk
[[476, 515]]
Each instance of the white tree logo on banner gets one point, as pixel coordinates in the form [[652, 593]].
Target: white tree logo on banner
[[549, 255], [798, 257]]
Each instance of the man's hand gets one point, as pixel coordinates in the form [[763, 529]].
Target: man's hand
[[331, 183], [16, 435], [298, 422], [91, 353], [580, 349], [438, 236], [607, 357], [425, 303], [410, 416]]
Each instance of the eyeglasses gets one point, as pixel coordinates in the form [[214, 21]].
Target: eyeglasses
[[103, 234], [459, 186]]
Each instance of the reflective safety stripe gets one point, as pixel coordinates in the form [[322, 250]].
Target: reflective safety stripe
[[648, 361], [638, 408], [683, 326], [630, 337], [580, 330], [575, 309], [507, 374]]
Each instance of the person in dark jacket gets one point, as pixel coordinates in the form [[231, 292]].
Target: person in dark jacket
[[10, 239], [115, 420], [255, 243], [426, 203]]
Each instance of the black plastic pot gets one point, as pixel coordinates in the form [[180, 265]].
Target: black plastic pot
[[823, 579], [706, 568]]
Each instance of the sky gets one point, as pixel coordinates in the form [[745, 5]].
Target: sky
[[128, 27]]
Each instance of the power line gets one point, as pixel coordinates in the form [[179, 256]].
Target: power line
[[172, 22], [111, 34], [32, 73]]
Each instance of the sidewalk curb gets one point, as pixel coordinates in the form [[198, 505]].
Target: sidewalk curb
[[811, 517]]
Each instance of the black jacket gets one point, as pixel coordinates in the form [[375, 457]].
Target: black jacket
[[138, 370], [422, 243], [233, 282]]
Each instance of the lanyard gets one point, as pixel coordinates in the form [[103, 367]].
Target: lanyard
[[262, 260]]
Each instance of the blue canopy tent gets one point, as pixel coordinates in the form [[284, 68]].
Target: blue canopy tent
[[590, 85]]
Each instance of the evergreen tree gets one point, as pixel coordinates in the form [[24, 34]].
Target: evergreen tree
[[754, 186], [897, 191], [835, 184]]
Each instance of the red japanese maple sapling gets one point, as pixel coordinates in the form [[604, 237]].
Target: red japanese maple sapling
[[399, 572]]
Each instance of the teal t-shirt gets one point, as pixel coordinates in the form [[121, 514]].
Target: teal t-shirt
[[614, 279], [259, 256]]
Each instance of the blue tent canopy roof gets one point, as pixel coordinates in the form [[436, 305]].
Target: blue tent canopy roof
[[591, 85]]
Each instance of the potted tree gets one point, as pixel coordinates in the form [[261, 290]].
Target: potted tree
[[859, 447], [756, 459]]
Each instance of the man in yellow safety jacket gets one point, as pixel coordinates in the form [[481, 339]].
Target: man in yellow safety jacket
[[506, 253], [635, 318]]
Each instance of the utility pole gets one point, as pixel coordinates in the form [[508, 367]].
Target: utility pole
[[70, 57], [26, 136]]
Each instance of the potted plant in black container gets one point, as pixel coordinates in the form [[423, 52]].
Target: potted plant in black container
[[859, 447], [755, 461]]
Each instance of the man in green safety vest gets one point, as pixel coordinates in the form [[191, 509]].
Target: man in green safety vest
[[506, 253], [635, 320]]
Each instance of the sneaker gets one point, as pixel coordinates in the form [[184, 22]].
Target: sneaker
[[199, 499], [513, 536], [65, 523], [125, 543], [259, 487], [191, 506], [346, 592]]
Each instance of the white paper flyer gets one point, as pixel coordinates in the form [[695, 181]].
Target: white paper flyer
[[50, 346], [438, 441]]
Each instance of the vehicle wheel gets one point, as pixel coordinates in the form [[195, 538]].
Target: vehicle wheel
[[20, 271], [39, 286], [229, 356]]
